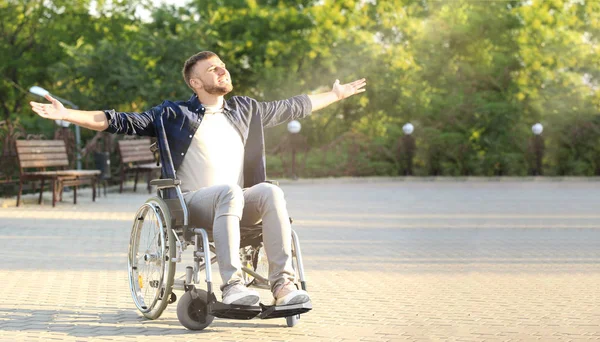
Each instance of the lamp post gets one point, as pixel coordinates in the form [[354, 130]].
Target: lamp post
[[43, 92], [538, 147], [408, 147], [294, 128]]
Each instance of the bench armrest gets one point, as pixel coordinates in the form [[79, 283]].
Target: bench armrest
[[165, 183]]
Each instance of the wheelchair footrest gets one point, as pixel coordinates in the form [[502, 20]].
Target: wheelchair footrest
[[221, 310], [272, 311]]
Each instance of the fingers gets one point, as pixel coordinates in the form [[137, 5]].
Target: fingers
[[359, 84], [40, 108], [362, 81], [36, 105], [37, 108], [49, 98]]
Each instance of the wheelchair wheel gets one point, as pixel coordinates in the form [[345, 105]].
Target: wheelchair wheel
[[151, 249], [292, 320], [191, 310]]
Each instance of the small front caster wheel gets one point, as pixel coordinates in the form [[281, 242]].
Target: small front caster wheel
[[192, 310], [292, 320]]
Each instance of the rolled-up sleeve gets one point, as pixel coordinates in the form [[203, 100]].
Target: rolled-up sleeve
[[132, 123], [276, 112]]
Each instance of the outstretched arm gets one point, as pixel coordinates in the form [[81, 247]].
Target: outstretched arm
[[338, 92], [95, 120], [297, 107]]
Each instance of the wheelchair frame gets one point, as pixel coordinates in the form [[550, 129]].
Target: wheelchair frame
[[197, 308]]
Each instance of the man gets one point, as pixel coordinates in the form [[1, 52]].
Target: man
[[217, 148]]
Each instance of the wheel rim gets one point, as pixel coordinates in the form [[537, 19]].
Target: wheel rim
[[196, 311], [147, 257]]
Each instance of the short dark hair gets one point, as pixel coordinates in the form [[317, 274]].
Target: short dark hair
[[188, 66]]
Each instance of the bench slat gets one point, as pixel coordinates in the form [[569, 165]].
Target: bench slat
[[133, 148], [41, 143], [139, 157], [44, 163], [40, 157], [42, 149], [138, 154], [134, 142]]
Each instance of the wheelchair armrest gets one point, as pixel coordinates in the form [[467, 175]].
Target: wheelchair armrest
[[165, 183]]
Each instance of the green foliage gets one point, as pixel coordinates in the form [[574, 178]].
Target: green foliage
[[472, 76], [576, 146]]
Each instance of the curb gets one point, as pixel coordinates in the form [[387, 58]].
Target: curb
[[12, 201], [416, 179], [6, 202]]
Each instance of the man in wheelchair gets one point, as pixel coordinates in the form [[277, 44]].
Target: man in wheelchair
[[217, 148]]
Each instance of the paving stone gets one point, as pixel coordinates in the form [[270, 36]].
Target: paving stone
[[385, 261]]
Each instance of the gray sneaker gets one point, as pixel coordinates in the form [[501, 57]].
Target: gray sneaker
[[239, 294], [288, 294]]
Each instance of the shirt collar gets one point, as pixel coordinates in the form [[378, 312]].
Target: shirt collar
[[197, 106]]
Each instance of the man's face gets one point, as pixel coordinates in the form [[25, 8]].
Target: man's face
[[212, 76]]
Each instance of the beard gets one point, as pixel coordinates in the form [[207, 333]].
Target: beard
[[219, 90]]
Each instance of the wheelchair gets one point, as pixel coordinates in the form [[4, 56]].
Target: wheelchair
[[159, 237]]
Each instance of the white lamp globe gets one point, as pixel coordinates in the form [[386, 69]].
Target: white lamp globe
[[408, 128], [537, 129], [39, 91], [294, 126]]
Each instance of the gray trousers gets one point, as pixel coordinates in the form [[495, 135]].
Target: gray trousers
[[220, 209]]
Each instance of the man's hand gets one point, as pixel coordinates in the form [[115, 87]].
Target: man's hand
[[338, 92], [53, 110], [343, 91]]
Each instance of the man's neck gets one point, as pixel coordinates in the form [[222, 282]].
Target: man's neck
[[210, 100]]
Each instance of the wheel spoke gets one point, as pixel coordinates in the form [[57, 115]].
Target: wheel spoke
[[150, 274]]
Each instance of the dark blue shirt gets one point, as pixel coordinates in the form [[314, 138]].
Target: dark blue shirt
[[181, 120]]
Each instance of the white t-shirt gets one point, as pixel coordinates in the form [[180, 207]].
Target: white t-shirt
[[215, 156]]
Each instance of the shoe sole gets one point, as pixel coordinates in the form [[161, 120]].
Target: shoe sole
[[298, 299]]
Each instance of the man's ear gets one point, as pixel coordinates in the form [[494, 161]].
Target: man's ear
[[196, 84]]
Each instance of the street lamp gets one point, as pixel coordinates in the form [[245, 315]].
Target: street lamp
[[43, 92], [538, 147], [294, 128], [537, 129], [408, 128], [407, 150]]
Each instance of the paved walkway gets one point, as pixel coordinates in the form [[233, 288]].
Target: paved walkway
[[385, 260]]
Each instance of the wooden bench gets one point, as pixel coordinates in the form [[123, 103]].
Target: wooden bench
[[137, 158], [36, 157]]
